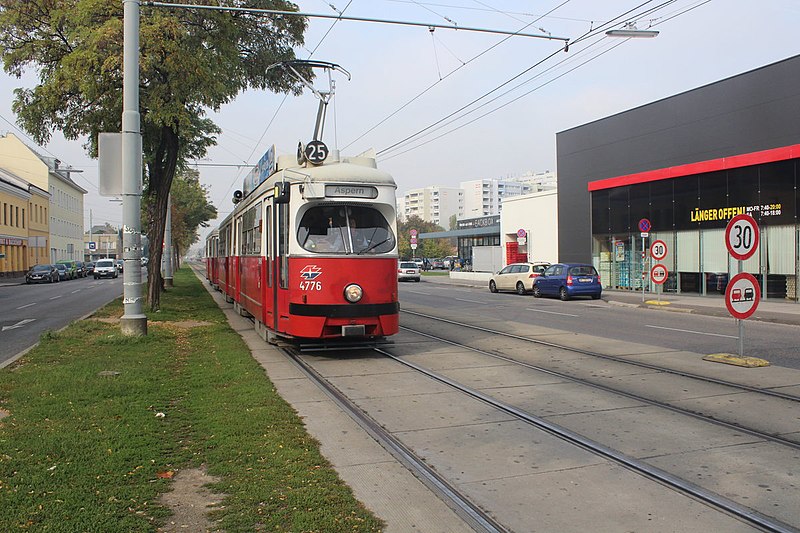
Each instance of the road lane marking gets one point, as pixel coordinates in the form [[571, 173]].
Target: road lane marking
[[55, 297], [695, 332], [552, 312], [19, 324], [78, 290], [26, 305], [470, 301]]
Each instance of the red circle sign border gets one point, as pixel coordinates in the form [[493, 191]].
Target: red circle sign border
[[756, 237], [645, 225], [659, 241], [747, 314], [652, 277]]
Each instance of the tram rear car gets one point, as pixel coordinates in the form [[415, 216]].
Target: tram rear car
[[212, 258], [314, 252]]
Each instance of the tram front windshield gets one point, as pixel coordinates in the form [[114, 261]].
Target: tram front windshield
[[341, 229]]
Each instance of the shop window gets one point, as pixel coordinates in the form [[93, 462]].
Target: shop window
[[619, 214]]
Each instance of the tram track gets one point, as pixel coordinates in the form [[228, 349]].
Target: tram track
[[473, 515], [684, 486], [640, 364], [636, 397]]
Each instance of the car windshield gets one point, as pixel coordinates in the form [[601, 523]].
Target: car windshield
[[345, 230], [42, 268], [104, 264], [61, 266]]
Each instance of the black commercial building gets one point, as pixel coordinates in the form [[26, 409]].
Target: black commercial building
[[688, 164]]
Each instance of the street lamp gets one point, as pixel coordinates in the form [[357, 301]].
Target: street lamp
[[629, 31]]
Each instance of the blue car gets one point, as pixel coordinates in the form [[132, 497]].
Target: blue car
[[566, 280]]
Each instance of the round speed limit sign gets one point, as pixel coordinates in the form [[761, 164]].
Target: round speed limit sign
[[658, 250], [741, 237]]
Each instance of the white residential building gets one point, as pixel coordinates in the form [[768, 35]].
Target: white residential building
[[433, 204], [484, 197], [66, 197]]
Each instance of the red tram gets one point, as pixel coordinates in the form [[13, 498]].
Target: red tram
[[310, 250]]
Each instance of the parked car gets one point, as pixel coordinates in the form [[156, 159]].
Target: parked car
[[408, 271], [105, 268], [120, 264], [42, 274], [89, 265], [517, 277], [63, 271], [566, 280], [437, 264], [80, 269], [72, 269]]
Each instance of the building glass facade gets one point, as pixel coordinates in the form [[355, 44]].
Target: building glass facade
[[690, 212]]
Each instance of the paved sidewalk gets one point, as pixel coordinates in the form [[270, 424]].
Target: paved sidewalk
[[4, 281], [773, 310]]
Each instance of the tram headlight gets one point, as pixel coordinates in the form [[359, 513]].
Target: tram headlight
[[353, 293]]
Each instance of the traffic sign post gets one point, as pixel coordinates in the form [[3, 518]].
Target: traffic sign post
[[658, 275], [644, 227], [742, 294]]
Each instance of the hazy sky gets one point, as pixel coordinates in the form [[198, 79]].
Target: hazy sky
[[405, 79]]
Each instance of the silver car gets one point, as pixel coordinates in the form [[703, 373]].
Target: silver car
[[105, 268], [407, 271]]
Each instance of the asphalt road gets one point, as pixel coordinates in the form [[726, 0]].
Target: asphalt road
[[777, 343], [26, 311]]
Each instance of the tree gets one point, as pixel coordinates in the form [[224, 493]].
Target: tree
[[190, 211], [425, 247], [190, 61]]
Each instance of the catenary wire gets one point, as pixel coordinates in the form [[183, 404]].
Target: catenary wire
[[434, 84], [586, 35]]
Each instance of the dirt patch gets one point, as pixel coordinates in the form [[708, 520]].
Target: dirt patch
[[190, 502], [3, 413]]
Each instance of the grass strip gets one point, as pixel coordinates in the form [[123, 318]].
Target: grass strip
[[99, 422]]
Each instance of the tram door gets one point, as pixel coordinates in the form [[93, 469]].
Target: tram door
[[281, 267], [268, 253]]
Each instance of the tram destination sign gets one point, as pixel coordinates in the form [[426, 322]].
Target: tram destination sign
[[351, 191]]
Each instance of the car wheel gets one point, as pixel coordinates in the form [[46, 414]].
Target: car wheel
[[537, 292], [520, 288], [96, 277], [492, 286], [563, 294], [28, 281], [595, 296]]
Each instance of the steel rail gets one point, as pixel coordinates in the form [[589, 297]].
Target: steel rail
[[745, 513], [655, 403], [466, 510], [640, 364]]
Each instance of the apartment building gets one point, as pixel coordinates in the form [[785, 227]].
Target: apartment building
[[65, 206], [432, 204]]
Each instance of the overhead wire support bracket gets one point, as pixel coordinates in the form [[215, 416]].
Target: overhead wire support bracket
[[357, 19]]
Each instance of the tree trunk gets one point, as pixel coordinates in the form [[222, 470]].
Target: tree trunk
[[160, 173]]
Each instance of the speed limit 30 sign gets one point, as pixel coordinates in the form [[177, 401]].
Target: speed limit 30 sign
[[741, 237], [658, 250]]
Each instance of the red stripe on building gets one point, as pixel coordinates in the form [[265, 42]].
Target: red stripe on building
[[712, 165]]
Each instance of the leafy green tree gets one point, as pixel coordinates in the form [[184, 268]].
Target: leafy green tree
[[191, 210], [425, 247], [453, 222], [190, 61]]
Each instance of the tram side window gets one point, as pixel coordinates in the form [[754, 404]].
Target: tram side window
[[345, 230], [251, 231]]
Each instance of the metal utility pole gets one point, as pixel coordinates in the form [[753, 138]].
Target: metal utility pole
[[168, 245], [133, 321]]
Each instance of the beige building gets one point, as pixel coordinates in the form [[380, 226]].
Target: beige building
[[23, 225], [65, 209]]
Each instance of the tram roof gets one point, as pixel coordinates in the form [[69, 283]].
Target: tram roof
[[344, 170]]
